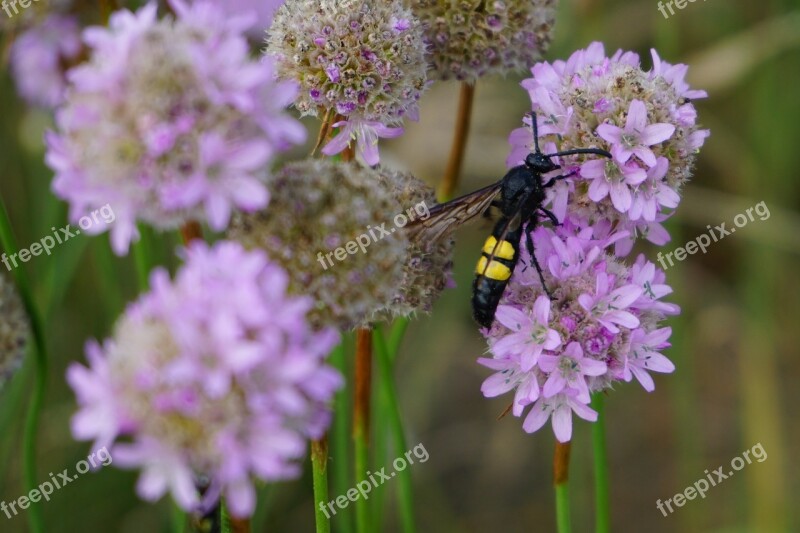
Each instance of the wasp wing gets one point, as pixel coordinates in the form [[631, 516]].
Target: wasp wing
[[447, 217]]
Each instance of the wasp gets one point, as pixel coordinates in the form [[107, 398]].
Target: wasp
[[520, 196]]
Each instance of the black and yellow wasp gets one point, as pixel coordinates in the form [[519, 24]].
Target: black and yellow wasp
[[519, 196]]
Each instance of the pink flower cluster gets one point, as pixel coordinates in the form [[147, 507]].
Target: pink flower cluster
[[603, 325], [646, 119], [214, 378], [169, 121]]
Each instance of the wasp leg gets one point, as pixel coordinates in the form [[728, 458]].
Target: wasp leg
[[550, 215], [532, 252], [562, 177], [488, 213]]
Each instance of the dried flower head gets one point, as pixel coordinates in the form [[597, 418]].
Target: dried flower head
[[320, 213], [645, 119], [170, 120], [14, 330], [358, 59], [38, 59], [603, 325], [215, 378], [469, 39], [428, 266]]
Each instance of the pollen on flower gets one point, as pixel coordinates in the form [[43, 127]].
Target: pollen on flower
[[469, 39]]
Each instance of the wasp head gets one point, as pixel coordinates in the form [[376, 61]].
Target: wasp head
[[541, 163]]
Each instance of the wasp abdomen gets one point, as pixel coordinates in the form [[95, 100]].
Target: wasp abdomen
[[491, 277]]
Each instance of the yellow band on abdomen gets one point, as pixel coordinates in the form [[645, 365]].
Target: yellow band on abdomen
[[504, 251], [496, 270]]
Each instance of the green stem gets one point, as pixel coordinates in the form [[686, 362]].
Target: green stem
[[396, 337], [389, 394], [30, 432], [319, 467], [601, 486], [561, 483], [178, 519], [361, 408], [143, 255], [340, 440]]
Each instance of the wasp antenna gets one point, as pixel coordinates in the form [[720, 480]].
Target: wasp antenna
[[595, 151], [535, 128]]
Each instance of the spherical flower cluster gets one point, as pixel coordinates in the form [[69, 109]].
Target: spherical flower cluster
[[469, 39], [360, 60], [602, 326], [169, 121], [38, 57], [645, 119], [14, 330], [211, 380], [428, 265], [320, 206]]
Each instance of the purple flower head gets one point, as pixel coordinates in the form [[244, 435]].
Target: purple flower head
[[215, 374], [583, 339], [372, 73], [38, 57], [645, 119], [169, 121]]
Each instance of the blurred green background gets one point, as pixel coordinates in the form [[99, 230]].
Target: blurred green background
[[735, 344]]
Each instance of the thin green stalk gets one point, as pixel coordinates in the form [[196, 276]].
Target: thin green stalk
[[178, 519], [30, 432], [143, 255], [389, 396], [319, 468], [396, 334], [561, 483], [361, 431], [602, 507], [562, 508], [340, 441]]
